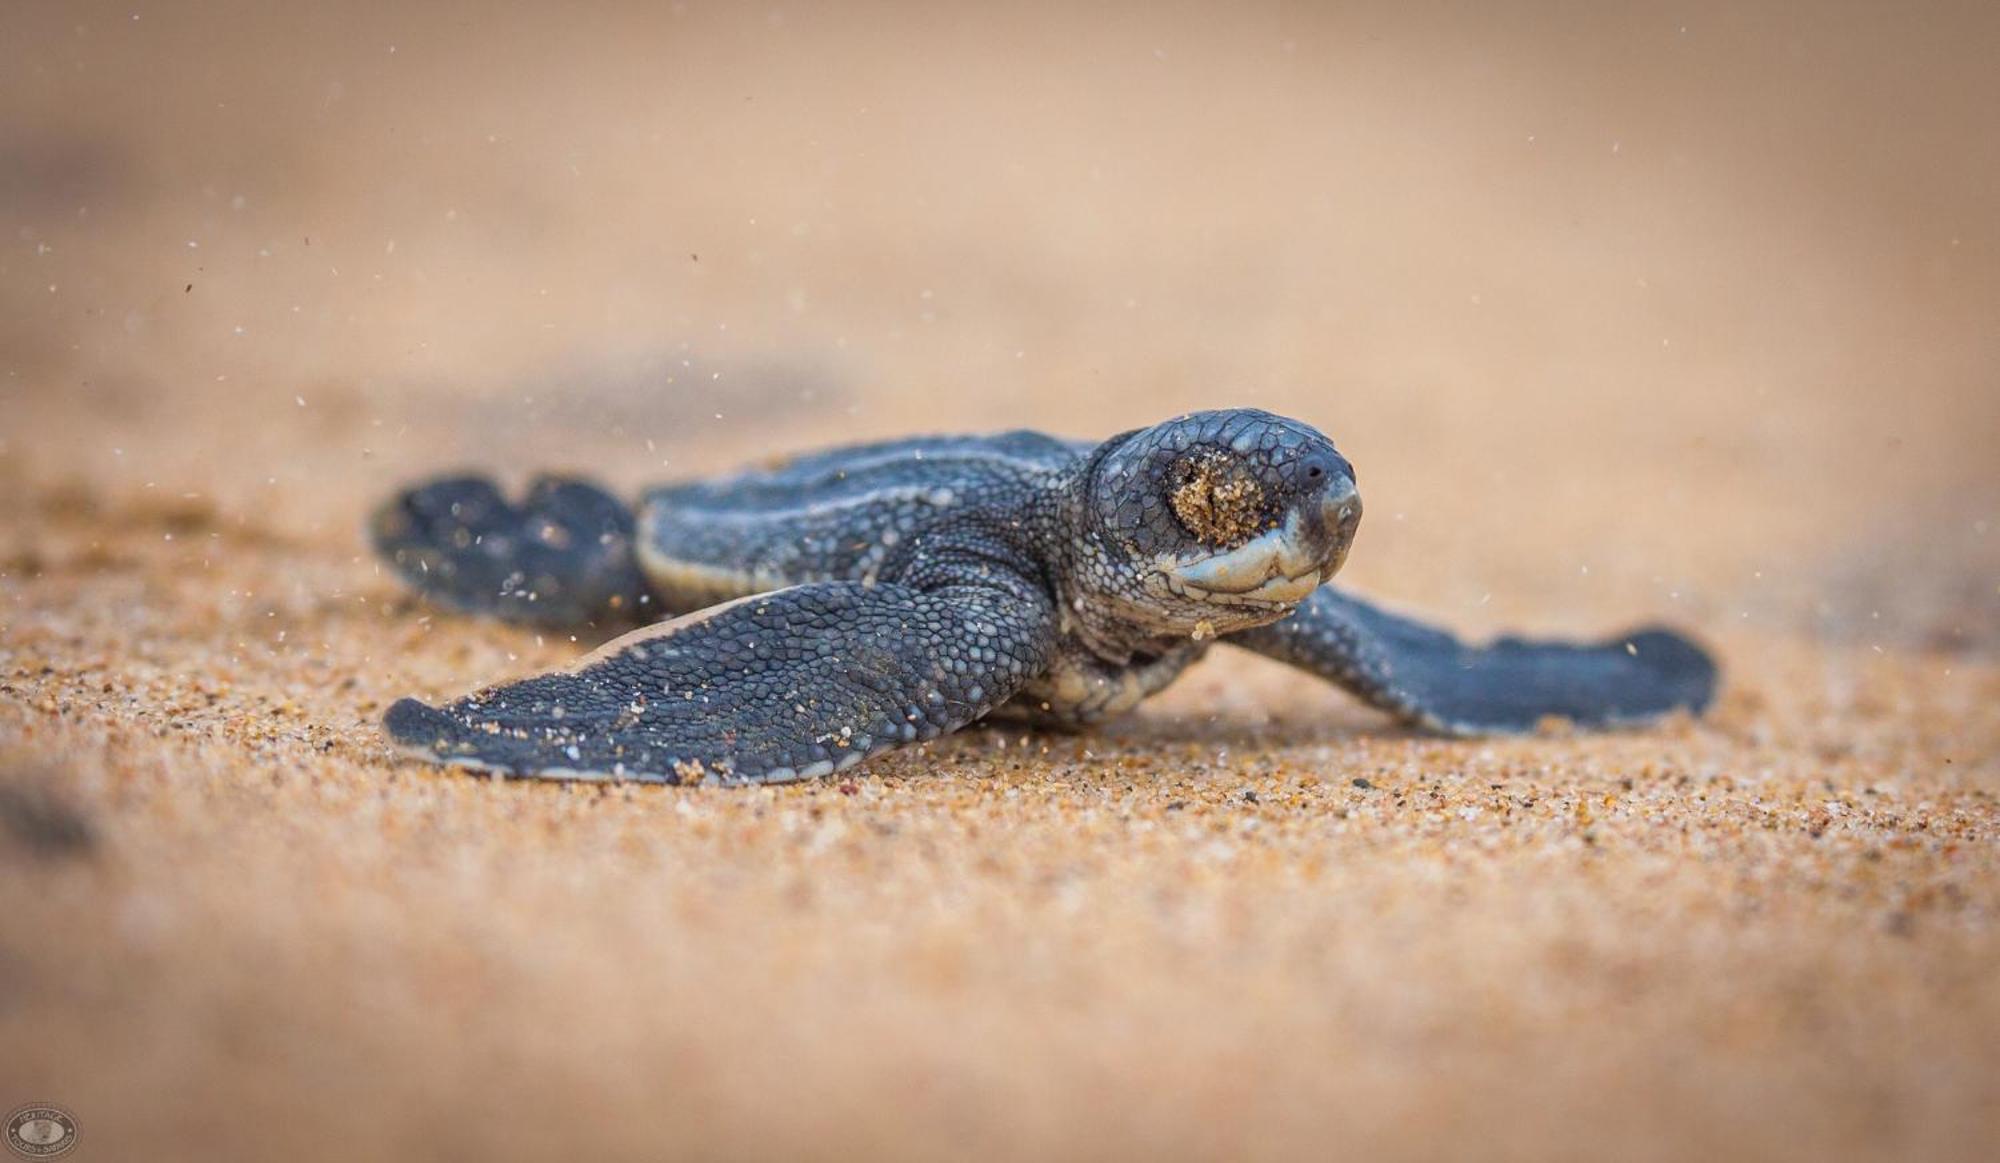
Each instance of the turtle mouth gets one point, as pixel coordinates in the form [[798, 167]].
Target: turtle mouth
[[1276, 568], [1276, 591]]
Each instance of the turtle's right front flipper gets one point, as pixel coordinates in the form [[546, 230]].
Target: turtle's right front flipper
[[787, 685], [562, 557], [1427, 677]]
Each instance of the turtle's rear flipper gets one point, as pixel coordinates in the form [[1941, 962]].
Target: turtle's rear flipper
[[562, 557], [1429, 678]]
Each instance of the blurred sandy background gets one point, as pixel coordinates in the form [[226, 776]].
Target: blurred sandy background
[[1621, 311]]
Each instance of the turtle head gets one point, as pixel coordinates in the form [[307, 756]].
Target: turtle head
[[1218, 521]]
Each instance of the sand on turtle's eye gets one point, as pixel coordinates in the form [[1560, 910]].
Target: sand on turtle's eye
[[1217, 502]]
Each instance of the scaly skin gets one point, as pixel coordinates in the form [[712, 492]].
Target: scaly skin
[[880, 595]]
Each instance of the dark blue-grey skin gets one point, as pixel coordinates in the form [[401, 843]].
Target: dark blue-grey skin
[[807, 616]]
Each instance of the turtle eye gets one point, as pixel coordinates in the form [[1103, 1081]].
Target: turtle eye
[[1215, 500]]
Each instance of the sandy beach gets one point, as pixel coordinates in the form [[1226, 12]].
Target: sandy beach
[[1685, 316]]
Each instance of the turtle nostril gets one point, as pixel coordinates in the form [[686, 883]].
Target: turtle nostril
[[1315, 469]]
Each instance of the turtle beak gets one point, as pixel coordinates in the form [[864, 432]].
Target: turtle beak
[[1283, 564], [1339, 517]]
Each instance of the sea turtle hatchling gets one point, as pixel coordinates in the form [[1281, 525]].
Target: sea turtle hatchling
[[845, 603]]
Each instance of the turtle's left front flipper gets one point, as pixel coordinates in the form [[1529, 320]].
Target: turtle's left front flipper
[[1427, 677], [786, 685]]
